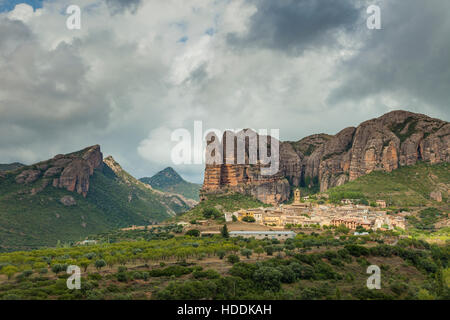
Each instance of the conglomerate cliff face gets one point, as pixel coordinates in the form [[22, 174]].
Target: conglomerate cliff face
[[71, 172], [245, 178], [398, 138]]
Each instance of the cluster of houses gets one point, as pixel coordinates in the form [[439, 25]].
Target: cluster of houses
[[306, 214]]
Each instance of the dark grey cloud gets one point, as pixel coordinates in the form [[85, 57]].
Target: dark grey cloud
[[119, 6], [63, 90], [44, 97], [408, 59], [293, 26]]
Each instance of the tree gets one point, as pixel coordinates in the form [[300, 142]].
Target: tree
[[424, 294], [232, 258], [111, 261], [100, 264], [9, 271], [85, 264], [233, 217], [221, 254], [287, 274], [269, 250], [39, 265], [259, 251], [57, 268], [193, 233], [342, 229], [360, 229], [268, 278], [211, 213], [224, 231], [248, 219], [246, 252]]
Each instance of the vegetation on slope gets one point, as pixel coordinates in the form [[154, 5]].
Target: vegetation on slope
[[222, 202], [406, 186], [30, 220], [308, 267], [168, 180], [10, 166]]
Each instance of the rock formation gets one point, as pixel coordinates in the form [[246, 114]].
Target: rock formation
[[68, 201], [244, 178], [71, 172], [436, 196], [398, 138]]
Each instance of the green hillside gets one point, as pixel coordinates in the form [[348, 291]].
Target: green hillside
[[225, 203], [30, 220], [168, 180], [406, 186], [170, 266], [10, 166]]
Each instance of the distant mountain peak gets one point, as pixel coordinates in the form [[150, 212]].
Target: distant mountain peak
[[11, 166], [73, 195], [168, 180], [171, 174]]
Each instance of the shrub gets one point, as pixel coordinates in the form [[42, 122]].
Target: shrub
[[211, 213], [209, 274], [27, 273], [100, 264], [243, 270], [90, 255], [176, 271], [399, 288], [94, 276], [122, 277], [248, 219], [268, 278], [232, 258], [287, 274], [57, 268], [122, 269], [356, 250], [193, 233]]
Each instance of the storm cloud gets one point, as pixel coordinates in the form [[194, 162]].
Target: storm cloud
[[408, 58], [293, 26], [137, 70]]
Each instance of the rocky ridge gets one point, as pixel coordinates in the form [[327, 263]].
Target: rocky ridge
[[398, 138], [71, 172]]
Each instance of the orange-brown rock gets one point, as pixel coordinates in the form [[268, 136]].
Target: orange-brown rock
[[28, 176], [395, 139], [71, 172], [244, 178], [398, 138]]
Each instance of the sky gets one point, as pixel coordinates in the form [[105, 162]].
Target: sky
[[139, 69]]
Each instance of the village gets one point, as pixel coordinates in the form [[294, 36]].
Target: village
[[279, 221], [305, 214]]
